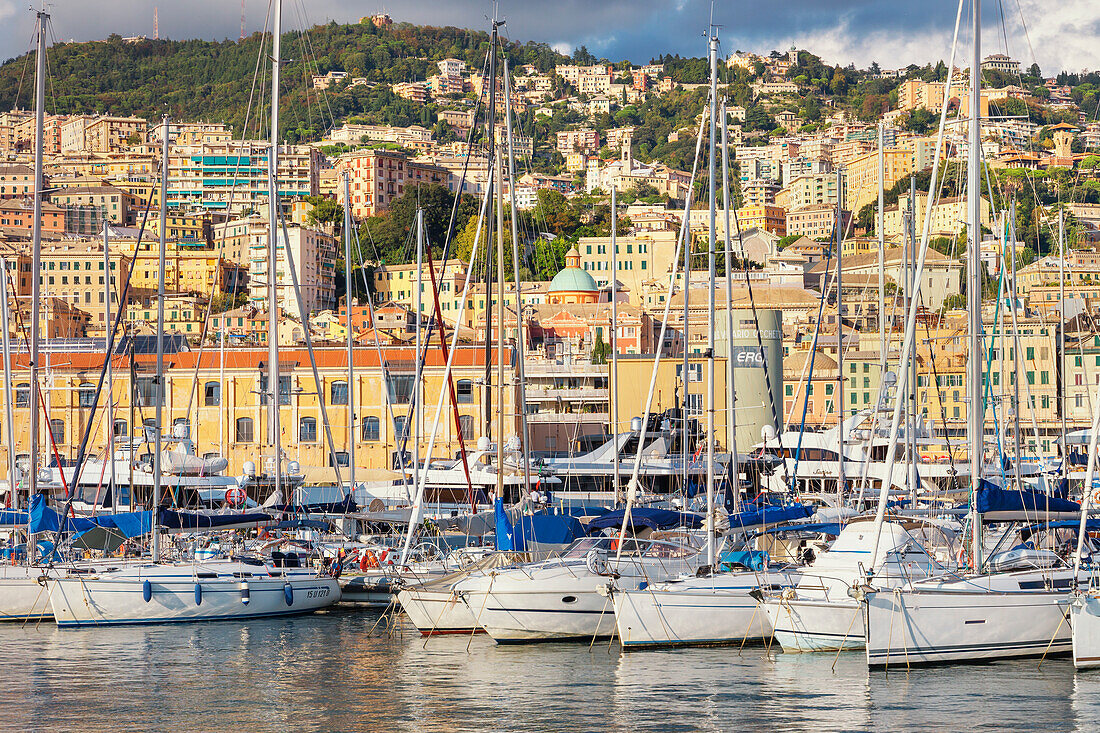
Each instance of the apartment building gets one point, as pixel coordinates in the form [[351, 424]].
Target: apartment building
[[377, 178]]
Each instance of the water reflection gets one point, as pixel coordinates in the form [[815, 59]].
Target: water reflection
[[324, 673]]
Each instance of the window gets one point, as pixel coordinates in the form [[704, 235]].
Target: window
[[57, 430], [338, 393], [342, 459], [694, 404], [465, 391], [466, 426], [695, 372], [284, 390], [86, 395], [212, 394], [122, 429], [788, 390], [244, 430], [307, 430], [400, 387], [371, 429], [399, 427], [145, 391]]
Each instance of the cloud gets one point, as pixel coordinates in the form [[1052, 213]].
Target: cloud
[[842, 31]]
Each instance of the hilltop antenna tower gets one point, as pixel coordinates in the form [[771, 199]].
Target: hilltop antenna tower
[[156, 25], [242, 30]]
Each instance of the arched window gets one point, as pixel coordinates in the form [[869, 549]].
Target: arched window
[[23, 394], [122, 429], [372, 428], [181, 424], [57, 430], [338, 393], [466, 426], [212, 394], [307, 430], [465, 391], [244, 430], [86, 395]]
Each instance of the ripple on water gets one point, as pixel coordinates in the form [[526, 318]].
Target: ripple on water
[[324, 672]]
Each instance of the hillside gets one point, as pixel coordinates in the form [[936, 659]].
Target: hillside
[[212, 80]]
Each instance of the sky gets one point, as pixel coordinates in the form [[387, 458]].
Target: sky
[[1060, 35]]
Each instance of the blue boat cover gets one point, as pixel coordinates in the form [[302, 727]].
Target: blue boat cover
[[994, 499], [751, 559], [45, 519], [344, 506], [9, 518], [770, 515], [647, 517]]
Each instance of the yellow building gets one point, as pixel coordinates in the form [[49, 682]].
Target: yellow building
[[640, 258], [188, 269], [763, 216], [861, 180], [226, 416]]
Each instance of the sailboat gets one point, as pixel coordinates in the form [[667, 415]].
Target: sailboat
[[1014, 603], [159, 592]]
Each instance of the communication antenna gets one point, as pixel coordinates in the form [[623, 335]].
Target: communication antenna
[[242, 21], [156, 25]]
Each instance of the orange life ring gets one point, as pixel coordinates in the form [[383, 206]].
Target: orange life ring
[[368, 560], [1096, 498]]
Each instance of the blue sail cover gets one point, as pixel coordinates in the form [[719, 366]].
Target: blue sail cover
[[1092, 525], [759, 516], [505, 542], [192, 521], [549, 529], [993, 499], [647, 517]]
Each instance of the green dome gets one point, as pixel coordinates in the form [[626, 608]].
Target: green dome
[[573, 280]]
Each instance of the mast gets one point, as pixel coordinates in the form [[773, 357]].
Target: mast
[[731, 392], [1062, 333], [419, 354], [272, 253], [500, 324], [881, 227], [974, 293], [710, 295], [1016, 356], [615, 342], [110, 421], [490, 133], [157, 438], [36, 263], [351, 340], [911, 287], [839, 339], [521, 338], [9, 422]]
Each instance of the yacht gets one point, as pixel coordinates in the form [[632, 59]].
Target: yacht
[[569, 597]]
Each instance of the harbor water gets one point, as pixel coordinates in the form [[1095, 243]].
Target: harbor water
[[327, 672]]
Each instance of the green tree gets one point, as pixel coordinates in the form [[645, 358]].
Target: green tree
[[600, 350]]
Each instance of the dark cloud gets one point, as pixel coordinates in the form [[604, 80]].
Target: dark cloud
[[890, 32]]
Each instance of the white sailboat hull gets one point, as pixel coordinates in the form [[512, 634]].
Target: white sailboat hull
[[716, 610], [961, 621], [1085, 623], [22, 597], [438, 612], [815, 625], [103, 600]]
